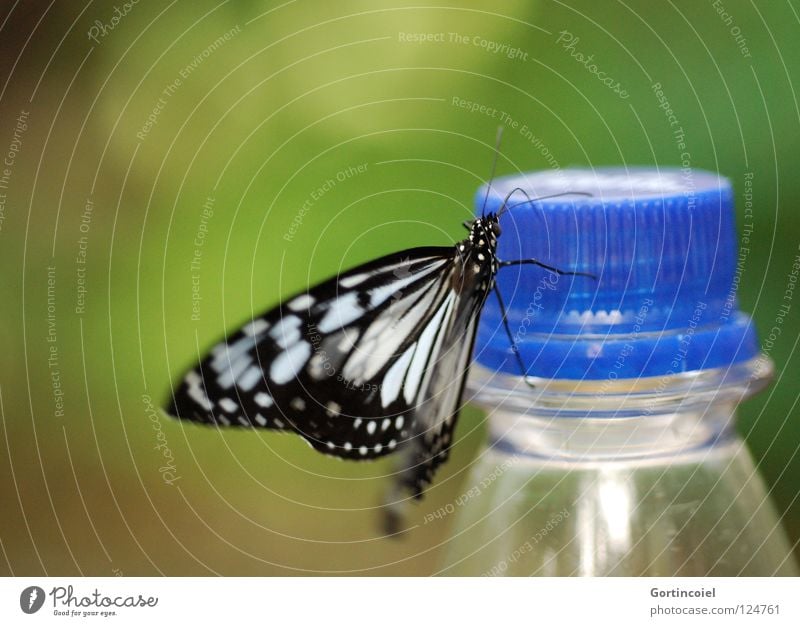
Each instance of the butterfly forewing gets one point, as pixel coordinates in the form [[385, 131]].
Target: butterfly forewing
[[335, 364]]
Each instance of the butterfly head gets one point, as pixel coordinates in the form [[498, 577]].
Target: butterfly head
[[484, 231]]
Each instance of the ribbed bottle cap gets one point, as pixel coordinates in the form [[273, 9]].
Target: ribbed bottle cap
[[662, 244]]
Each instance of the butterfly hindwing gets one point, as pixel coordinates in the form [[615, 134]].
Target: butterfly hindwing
[[438, 411], [439, 401]]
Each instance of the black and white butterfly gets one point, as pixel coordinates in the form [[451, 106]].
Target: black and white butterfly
[[371, 362]]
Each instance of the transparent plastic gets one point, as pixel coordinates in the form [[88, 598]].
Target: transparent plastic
[[617, 477]]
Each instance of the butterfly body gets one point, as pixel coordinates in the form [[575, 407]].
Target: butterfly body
[[368, 363]]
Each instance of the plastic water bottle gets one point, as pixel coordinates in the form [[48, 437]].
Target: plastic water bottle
[[621, 458]]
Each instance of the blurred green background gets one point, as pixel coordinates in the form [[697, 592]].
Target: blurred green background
[[117, 142]]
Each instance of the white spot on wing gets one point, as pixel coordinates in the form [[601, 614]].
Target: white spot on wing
[[289, 362], [234, 369], [228, 405], [341, 312], [249, 379], [256, 327], [302, 302], [263, 399], [261, 420], [287, 331], [348, 340], [316, 367], [356, 279], [225, 354], [195, 391], [286, 326]]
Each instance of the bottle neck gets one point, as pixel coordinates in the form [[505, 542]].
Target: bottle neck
[[605, 420]]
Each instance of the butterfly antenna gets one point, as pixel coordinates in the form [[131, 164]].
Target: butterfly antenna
[[497, 139], [530, 200]]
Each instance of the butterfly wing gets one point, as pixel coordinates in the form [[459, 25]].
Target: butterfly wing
[[439, 401], [345, 365]]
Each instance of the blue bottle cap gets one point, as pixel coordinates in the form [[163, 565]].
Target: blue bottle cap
[[662, 244]]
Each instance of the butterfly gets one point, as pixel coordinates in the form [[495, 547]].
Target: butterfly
[[368, 363]]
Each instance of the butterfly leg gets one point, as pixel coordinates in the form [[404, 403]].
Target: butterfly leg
[[514, 349], [549, 268]]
